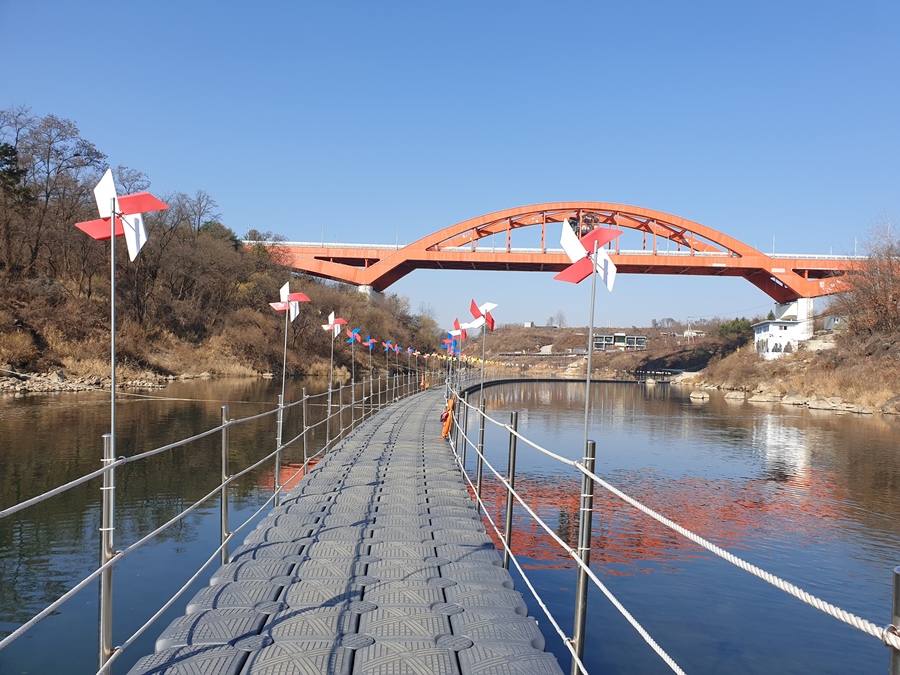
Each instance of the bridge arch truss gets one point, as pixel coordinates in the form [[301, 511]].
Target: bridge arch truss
[[698, 250]]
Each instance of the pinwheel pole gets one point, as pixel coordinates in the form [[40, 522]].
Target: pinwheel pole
[[333, 325], [126, 219], [587, 257], [290, 305], [353, 336]]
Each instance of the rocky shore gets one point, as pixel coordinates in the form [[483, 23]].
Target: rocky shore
[[768, 394], [20, 384]]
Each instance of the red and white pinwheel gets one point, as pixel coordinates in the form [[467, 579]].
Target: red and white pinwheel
[[129, 213], [334, 325], [459, 330], [581, 253], [482, 315], [290, 302]]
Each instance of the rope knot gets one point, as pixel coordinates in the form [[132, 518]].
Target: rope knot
[[890, 629]]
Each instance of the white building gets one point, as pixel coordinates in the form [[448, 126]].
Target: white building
[[793, 324]]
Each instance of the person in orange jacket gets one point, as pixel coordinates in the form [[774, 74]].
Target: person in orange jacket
[[447, 417]]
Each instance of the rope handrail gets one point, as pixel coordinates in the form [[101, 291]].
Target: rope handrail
[[886, 634], [574, 555], [566, 640]]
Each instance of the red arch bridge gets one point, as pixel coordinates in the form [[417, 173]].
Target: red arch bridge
[[668, 245]]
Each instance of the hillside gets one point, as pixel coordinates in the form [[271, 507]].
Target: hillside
[[864, 373]]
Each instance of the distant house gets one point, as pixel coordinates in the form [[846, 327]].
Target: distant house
[[620, 341], [529, 324], [783, 334], [833, 323]]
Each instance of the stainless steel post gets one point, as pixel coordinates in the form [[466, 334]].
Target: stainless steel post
[[328, 418], [305, 430], [223, 507], [340, 411], [455, 417], [895, 620], [465, 429], [511, 479], [480, 455], [352, 404], [107, 524], [379, 393], [584, 551], [276, 488]]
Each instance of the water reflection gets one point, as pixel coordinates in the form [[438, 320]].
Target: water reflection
[[809, 497]]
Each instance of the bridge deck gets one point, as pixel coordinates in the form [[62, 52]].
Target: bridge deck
[[377, 562]]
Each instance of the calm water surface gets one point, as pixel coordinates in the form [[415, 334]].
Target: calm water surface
[[810, 497]]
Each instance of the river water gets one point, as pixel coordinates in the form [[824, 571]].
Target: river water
[[811, 497]]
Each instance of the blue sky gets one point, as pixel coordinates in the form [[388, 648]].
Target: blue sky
[[387, 121]]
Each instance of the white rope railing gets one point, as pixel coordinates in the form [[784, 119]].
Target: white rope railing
[[887, 634], [574, 555]]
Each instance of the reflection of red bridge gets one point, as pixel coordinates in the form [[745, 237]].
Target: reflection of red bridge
[[731, 515], [698, 250]]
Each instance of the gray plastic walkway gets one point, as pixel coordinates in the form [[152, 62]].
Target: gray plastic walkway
[[377, 563]]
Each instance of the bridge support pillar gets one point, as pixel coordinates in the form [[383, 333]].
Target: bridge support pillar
[[368, 290]]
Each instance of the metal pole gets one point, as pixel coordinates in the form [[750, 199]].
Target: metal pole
[[275, 486], [480, 455], [465, 429], [352, 404], [483, 344], [340, 410], [511, 479], [895, 621], [305, 429], [223, 506], [584, 552], [107, 525], [112, 328], [457, 412], [330, 383], [587, 391]]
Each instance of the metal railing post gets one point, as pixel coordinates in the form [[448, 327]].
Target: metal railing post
[[305, 430], [895, 621], [465, 429], [480, 468], [223, 507], [340, 434], [352, 404], [584, 552], [379, 392], [276, 488], [328, 418], [456, 416], [107, 525], [511, 479]]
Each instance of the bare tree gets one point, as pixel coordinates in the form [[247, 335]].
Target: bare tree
[[872, 304], [201, 209], [560, 317]]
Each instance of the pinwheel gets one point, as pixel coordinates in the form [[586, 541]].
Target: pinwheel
[[588, 256], [353, 337], [119, 216], [582, 254], [482, 315], [290, 305], [333, 325], [129, 213], [370, 342]]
